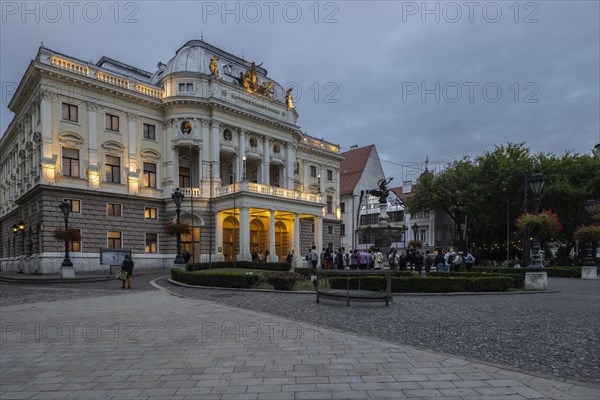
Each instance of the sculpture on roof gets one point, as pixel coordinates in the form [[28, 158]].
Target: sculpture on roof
[[249, 80], [266, 88], [288, 98], [214, 66], [382, 192]]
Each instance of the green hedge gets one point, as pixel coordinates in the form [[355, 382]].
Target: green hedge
[[432, 284], [564, 272], [230, 279], [518, 279], [501, 270], [283, 280], [239, 264], [305, 271]]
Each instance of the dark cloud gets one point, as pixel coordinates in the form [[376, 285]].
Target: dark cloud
[[356, 63]]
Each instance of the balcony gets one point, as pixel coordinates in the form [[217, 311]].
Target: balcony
[[268, 190], [191, 192]]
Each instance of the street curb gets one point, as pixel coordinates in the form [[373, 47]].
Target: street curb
[[36, 280]]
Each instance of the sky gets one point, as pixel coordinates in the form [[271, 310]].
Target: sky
[[436, 80]]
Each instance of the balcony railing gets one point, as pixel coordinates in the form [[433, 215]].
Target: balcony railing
[[191, 192], [270, 191]]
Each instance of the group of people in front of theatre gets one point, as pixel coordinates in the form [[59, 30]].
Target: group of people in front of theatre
[[413, 259]]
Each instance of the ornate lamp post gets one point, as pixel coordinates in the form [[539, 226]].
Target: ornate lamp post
[[15, 230], [590, 207], [21, 227], [536, 184], [177, 197], [66, 210]]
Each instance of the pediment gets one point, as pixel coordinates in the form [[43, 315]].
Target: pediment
[[71, 138], [150, 154], [113, 146]]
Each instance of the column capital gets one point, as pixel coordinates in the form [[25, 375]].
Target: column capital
[[215, 124], [205, 123]]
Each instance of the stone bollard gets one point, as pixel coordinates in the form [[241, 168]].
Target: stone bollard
[[536, 280]]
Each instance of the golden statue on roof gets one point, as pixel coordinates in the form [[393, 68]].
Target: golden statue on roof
[[214, 66], [288, 98]]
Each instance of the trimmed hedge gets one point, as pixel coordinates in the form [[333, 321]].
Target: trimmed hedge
[[240, 264], [428, 284], [518, 279], [230, 279], [283, 280], [306, 272], [564, 272]]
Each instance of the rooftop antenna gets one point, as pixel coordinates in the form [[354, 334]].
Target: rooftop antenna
[[426, 163]]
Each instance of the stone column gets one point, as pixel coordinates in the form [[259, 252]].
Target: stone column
[[205, 158], [175, 167], [218, 235], [241, 154], [290, 165], [272, 255], [297, 249], [244, 254], [318, 236], [215, 132], [48, 160], [266, 161], [94, 169]]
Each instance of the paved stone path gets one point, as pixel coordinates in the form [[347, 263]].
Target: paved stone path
[[152, 345], [554, 334]]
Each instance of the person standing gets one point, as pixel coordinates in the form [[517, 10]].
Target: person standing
[[322, 258], [378, 259], [354, 259], [469, 260], [127, 268], [363, 260], [338, 262], [439, 261], [328, 259], [418, 260], [313, 258]]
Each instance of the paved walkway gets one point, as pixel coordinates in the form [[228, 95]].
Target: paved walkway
[[152, 345]]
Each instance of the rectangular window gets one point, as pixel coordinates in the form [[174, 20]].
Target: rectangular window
[[113, 210], [75, 246], [75, 205], [70, 112], [184, 177], [149, 132], [149, 175], [329, 175], [70, 165], [343, 207], [329, 204], [186, 87], [113, 169], [342, 229], [151, 242], [330, 230], [151, 213], [114, 240], [112, 123], [313, 171], [297, 168]]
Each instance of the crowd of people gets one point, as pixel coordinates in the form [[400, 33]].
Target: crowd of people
[[411, 259]]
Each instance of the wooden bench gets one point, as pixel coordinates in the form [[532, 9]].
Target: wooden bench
[[355, 295]]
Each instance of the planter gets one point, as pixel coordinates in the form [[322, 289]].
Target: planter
[[589, 272], [536, 281]]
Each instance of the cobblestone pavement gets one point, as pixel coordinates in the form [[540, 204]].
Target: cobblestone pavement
[[157, 346], [553, 334]]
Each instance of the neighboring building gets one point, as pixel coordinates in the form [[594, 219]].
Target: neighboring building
[[115, 141], [360, 171], [435, 229]]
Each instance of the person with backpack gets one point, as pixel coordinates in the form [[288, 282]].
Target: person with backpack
[[469, 261], [127, 269], [449, 260], [378, 259], [458, 260], [392, 259]]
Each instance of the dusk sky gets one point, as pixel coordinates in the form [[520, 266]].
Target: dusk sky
[[440, 80]]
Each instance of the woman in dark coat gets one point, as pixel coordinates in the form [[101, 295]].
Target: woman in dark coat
[[127, 267]]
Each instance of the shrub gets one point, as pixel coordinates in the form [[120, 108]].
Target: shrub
[[588, 233], [176, 228], [518, 278], [68, 234], [283, 280], [434, 284], [545, 223], [231, 279], [405, 273], [305, 271], [564, 272], [240, 264]]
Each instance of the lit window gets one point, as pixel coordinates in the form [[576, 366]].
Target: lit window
[[151, 242], [112, 123], [70, 112], [150, 175], [114, 240], [73, 245], [113, 209], [150, 213], [149, 132], [70, 165], [184, 177], [75, 205]]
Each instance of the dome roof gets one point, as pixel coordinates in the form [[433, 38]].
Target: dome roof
[[192, 57]]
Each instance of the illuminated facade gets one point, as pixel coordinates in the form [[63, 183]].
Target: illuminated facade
[[115, 141]]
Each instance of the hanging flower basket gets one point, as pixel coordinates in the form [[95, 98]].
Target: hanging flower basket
[[69, 235], [545, 223], [415, 244], [587, 233], [175, 228]]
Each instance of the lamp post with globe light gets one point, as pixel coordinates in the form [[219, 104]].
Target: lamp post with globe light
[[536, 184], [590, 207], [177, 197]]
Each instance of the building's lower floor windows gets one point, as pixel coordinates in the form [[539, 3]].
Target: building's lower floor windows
[[75, 245], [151, 243], [114, 240]]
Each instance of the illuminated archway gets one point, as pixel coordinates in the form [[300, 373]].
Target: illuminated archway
[[258, 236], [190, 242], [282, 240], [231, 238]]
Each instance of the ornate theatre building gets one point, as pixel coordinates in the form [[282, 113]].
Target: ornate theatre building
[[115, 141]]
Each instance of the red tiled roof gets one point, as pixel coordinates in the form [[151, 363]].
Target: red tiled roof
[[398, 191], [352, 167]]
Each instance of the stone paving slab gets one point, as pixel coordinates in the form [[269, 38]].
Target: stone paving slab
[[152, 345]]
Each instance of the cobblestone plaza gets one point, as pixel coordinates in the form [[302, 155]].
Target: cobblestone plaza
[[92, 340]]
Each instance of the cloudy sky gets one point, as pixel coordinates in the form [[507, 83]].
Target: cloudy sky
[[433, 79]]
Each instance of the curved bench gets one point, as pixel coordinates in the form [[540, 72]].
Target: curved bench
[[355, 295]]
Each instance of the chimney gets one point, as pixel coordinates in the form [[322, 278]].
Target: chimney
[[406, 186]]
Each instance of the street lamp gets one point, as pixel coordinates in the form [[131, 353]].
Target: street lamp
[[177, 197], [21, 227], [65, 207], [536, 183], [244, 168], [15, 229], [507, 226], [590, 207]]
